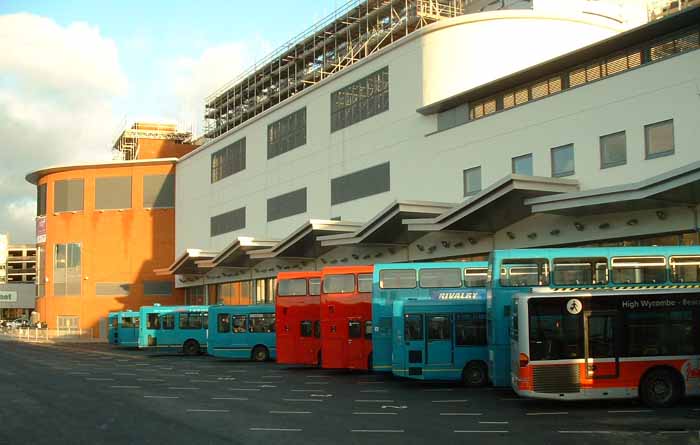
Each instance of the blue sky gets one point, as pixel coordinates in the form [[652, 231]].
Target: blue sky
[[72, 73]]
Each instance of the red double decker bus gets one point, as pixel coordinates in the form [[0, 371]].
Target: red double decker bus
[[346, 317], [298, 315]]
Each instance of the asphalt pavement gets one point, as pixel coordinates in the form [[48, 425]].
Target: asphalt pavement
[[96, 394]]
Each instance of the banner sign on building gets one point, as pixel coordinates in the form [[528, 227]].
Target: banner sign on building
[[40, 229], [7, 296]]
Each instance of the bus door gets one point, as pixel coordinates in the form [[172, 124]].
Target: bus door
[[600, 332], [439, 339], [355, 348], [414, 341]]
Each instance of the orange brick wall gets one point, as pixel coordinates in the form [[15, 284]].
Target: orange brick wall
[[161, 148], [116, 247]]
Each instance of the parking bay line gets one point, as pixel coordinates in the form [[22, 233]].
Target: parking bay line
[[99, 379], [461, 414], [150, 380], [544, 413], [229, 398], [302, 400], [361, 413], [374, 401], [208, 411], [450, 401], [584, 432], [308, 390], [290, 412], [482, 431], [630, 411], [183, 388], [375, 390], [161, 397], [244, 389], [377, 431], [125, 387], [493, 422], [286, 430]]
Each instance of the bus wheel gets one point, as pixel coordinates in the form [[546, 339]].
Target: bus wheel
[[660, 388], [191, 347], [475, 374], [260, 354]]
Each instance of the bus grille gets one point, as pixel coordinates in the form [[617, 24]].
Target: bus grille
[[556, 379]]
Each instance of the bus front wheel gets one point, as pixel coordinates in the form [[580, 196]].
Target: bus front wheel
[[191, 347], [260, 354], [660, 388], [475, 374]]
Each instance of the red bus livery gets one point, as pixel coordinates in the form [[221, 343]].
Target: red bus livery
[[298, 315], [346, 317], [607, 344]]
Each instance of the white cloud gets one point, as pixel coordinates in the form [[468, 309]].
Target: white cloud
[[193, 79], [56, 88]]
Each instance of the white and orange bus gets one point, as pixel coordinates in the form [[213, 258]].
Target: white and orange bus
[[607, 344]]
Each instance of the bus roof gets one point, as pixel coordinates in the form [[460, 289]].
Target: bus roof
[[433, 265], [299, 274], [614, 292], [242, 309], [563, 252], [337, 270]]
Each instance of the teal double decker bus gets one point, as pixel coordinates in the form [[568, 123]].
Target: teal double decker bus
[[243, 332], [174, 328], [574, 269], [124, 328], [400, 282], [441, 340]]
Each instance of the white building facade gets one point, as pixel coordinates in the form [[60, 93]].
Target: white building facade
[[497, 129]]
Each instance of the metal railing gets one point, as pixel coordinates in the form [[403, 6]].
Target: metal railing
[[49, 335]]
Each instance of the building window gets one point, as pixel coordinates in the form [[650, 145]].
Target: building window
[[264, 291], [157, 288], [360, 100], [286, 134], [66, 270], [41, 200], [613, 149], [227, 222], [360, 184], [472, 181], [68, 195], [112, 289], [158, 191], [282, 206], [113, 193], [522, 165], [563, 161], [453, 117], [41, 271], [658, 139], [228, 160], [196, 296]]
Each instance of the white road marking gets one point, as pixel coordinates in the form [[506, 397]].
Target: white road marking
[[451, 401], [203, 381], [375, 390], [276, 429], [461, 414], [191, 372], [208, 411], [183, 388], [385, 413], [674, 432], [302, 400], [317, 376], [493, 422], [696, 409], [161, 397], [124, 373], [376, 431], [150, 380], [99, 379], [482, 431], [308, 390], [271, 376], [78, 373], [244, 389], [630, 411], [560, 413], [254, 382], [229, 398], [124, 387], [584, 432], [290, 412], [315, 383], [373, 401]]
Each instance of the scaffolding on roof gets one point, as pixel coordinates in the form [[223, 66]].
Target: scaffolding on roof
[[353, 32], [126, 145]]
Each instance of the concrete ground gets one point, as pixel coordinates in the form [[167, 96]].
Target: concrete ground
[[92, 394]]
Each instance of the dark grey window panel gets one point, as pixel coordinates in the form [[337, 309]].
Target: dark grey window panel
[[41, 200], [68, 195], [289, 204], [453, 117], [360, 100], [228, 160], [286, 134], [157, 288], [158, 191], [113, 193], [228, 222], [367, 182], [112, 289]]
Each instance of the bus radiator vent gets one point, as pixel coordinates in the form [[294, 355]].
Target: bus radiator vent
[[556, 379], [415, 371]]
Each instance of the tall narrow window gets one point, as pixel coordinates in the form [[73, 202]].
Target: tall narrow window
[[286, 134], [472, 181], [613, 149], [360, 100], [563, 161], [522, 165], [67, 271], [41, 200], [658, 139], [228, 160]]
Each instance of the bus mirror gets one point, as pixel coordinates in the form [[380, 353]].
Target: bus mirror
[[523, 360]]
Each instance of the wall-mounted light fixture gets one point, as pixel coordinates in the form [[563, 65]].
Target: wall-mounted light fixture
[[471, 241], [420, 247], [355, 256], [378, 255], [555, 232], [604, 226], [632, 222], [366, 257], [532, 235], [661, 215], [579, 226], [510, 235], [344, 260], [391, 250], [445, 244], [459, 244]]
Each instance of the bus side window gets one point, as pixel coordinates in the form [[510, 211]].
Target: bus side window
[[524, 272], [364, 282], [306, 328], [354, 330], [639, 270], [168, 321], [223, 323], [470, 329], [314, 286], [317, 329], [239, 325], [579, 271], [153, 321], [685, 269], [368, 329], [413, 327]]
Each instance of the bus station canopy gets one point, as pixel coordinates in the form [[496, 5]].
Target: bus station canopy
[[236, 254], [186, 263]]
